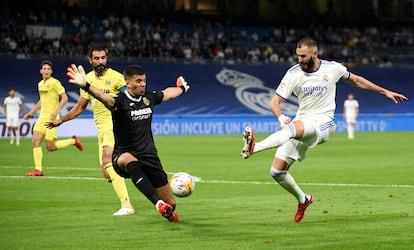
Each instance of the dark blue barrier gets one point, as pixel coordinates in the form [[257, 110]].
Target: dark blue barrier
[[215, 89]]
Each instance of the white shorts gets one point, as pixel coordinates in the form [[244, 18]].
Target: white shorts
[[318, 129], [12, 121], [350, 119]]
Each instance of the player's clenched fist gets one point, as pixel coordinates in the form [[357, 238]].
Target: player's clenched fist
[[76, 75], [182, 83]]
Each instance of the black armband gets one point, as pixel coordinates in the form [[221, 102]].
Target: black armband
[[86, 87], [183, 88]]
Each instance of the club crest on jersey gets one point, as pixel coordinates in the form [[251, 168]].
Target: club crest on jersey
[[146, 101], [325, 78], [107, 82]]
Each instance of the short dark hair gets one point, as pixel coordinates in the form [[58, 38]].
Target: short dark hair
[[97, 47], [12, 89], [308, 42], [133, 70], [46, 62]]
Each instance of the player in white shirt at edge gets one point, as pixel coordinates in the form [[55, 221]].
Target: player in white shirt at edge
[[13, 107], [313, 81], [351, 111]]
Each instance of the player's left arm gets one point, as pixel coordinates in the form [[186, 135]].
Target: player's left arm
[[77, 76], [364, 83], [21, 108], [174, 92], [5, 109]]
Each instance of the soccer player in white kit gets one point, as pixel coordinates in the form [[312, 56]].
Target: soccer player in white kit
[[13, 107], [313, 81], [351, 110]]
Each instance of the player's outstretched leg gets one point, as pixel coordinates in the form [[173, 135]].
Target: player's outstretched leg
[[248, 142], [143, 183], [302, 207]]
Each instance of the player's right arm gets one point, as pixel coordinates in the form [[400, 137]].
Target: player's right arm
[[78, 109], [277, 110], [33, 111]]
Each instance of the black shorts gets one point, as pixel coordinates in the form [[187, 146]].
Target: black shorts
[[151, 166]]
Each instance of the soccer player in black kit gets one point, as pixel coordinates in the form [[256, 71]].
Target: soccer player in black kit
[[135, 155]]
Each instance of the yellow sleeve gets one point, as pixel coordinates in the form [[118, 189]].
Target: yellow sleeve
[[84, 94], [59, 87], [120, 81]]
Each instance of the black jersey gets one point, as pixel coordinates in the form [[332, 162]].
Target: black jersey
[[131, 118]]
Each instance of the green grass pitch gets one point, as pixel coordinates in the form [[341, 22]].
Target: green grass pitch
[[363, 188]]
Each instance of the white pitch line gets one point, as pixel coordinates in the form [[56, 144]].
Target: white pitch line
[[54, 168], [196, 178], [220, 182]]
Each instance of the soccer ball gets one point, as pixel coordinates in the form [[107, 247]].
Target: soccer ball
[[182, 184]]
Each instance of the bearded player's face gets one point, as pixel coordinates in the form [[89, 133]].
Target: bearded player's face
[[99, 61], [306, 59]]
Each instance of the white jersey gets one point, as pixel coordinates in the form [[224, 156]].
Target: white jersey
[[13, 105], [351, 108], [315, 91]]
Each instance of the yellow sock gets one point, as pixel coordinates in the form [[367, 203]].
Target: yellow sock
[[118, 183], [38, 157], [64, 143]]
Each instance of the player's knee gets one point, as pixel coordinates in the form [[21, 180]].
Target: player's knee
[[51, 147], [278, 175]]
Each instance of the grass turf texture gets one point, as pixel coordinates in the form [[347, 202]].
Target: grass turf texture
[[236, 206]]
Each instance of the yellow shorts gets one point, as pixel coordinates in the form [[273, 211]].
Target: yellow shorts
[[105, 139], [50, 133]]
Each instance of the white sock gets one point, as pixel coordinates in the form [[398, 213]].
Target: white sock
[[276, 139], [11, 134], [17, 136], [288, 183], [350, 129]]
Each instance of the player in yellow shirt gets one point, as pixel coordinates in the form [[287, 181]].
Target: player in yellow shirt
[[110, 82], [50, 90]]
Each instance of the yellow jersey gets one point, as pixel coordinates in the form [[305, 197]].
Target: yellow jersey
[[110, 83], [49, 92]]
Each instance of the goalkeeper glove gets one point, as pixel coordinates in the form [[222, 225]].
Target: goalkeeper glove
[[283, 120], [182, 83], [77, 76]]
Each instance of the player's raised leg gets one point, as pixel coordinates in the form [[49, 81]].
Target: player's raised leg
[[248, 142], [272, 141], [67, 142], [143, 183]]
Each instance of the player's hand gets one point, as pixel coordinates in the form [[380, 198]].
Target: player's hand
[[181, 82], [76, 75], [27, 116], [53, 124], [284, 120], [396, 97]]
